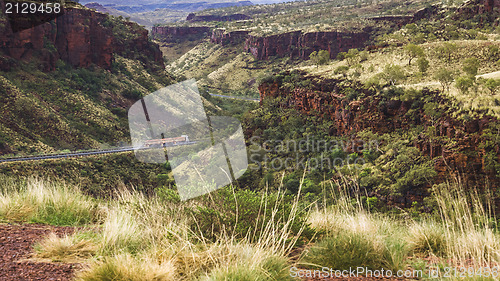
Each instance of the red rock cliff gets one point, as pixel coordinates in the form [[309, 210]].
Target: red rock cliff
[[299, 44], [80, 37], [487, 11], [221, 37]]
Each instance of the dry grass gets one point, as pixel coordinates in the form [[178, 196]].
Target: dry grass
[[53, 203], [143, 238], [70, 249], [127, 267]]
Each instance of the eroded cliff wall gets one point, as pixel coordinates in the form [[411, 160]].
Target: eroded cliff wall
[[80, 37], [298, 44]]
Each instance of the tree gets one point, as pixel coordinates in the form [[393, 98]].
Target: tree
[[351, 56], [393, 73], [470, 66], [446, 50], [423, 64], [445, 78], [464, 84], [492, 85], [341, 70], [321, 57], [341, 56], [413, 51]]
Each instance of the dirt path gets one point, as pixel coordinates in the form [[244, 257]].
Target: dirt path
[[16, 245]]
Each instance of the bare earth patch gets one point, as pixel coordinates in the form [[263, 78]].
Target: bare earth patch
[[16, 247]]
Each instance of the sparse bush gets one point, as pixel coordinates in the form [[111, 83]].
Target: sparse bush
[[464, 84], [492, 85], [423, 64], [341, 70], [393, 73], [320, 58], [471, 66]]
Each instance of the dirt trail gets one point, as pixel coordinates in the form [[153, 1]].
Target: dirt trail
[[16, 245]]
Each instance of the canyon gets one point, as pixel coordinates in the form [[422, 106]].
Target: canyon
[[457, 147]]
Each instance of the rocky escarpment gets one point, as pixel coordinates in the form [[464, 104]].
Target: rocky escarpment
[[483, 11], [301, 45], [221, 37], [81, 38], [401, 20], [457, 146], [233, 17]]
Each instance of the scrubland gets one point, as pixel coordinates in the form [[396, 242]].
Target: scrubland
[[255, 236]]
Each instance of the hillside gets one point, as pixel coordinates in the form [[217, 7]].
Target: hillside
[[149, 13], [67, 84]]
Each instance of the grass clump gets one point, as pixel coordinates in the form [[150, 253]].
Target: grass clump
[[251, 263], [38, 201], [427, 238], [344, 250], [121, 232], [127, 267], [73, 248]]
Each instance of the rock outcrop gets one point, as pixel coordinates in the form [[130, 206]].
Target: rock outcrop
[[485, 11], [221, 37], [234, 17], [80, 37], [301, 45]]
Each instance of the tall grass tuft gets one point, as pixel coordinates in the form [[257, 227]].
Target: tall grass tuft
[[40, 201], [466, 216], [71, 248], [127, 267]]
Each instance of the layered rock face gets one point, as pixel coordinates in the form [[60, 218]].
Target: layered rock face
[[462, 153], [484, 10], [80, 37], [221, 37], [301, 45], [234, 17]]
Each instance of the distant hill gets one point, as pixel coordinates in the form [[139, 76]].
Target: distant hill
[[186, 5], [149, 13]]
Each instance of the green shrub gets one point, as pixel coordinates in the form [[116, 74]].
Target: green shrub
[[244, 214]]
